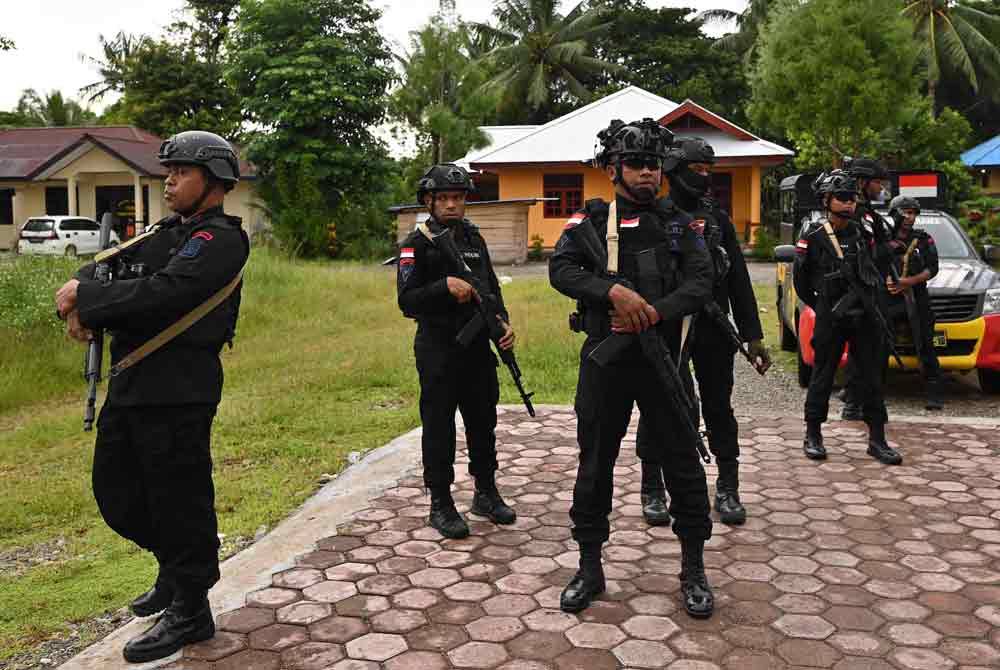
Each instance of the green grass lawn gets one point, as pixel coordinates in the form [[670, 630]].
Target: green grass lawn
[[322, 366]]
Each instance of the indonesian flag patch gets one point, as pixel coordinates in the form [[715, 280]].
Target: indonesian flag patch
[[575, 220], [630, 223], [406, 256], [801, 247], [698, 226]]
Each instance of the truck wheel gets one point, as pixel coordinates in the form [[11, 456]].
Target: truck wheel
[[805, 371], [989, 381]]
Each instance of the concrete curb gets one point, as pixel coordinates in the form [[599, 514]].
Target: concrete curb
[[251, 569]]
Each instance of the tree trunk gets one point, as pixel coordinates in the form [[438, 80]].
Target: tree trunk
[[932, 94]]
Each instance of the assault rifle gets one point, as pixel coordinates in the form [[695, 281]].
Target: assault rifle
[[487, 311], [94, 358], [715, 313], [653, 347]]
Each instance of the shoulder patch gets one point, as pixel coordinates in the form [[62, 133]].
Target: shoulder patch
[[802, 246], [629, 223], [698, 226], [575, 220], [192, 248], [204, 235]]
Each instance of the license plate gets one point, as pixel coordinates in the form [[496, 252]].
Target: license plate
[[32, 240], [940, 339]]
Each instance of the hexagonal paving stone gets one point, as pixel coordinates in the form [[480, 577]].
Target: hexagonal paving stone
[[699, 645], [521, 584], [272, 597], [222, 645], [338, 629], [469, 591], [417, 660], [297, 578], [538, 646], [913, 635], [383, 585], [245, 619], [362, 605], [495, 629], [587, 659], [398, 621], [920, 659], [644, 627], [349, 572], [253, 659], [437, 637], [376, 646], [311, 656], [595, 635], [643, 654], [478, 655], [330, 591], [550, 620], [304, 613], [507, 604], [277, 637], [435, 578]]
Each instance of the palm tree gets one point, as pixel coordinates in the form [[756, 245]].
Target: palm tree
[[540, 55], [52, 110], [951, 36], [749, 23], [114, 66]]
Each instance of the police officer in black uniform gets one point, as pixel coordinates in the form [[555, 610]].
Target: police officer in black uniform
[[452, 375], [831, 290], [688, 166], [152, 473], [631, 155], [916, 259], [870, 174]]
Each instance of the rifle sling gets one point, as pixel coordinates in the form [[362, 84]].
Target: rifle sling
[[108, 254], [833, 239], [179, 326], [906, 257]]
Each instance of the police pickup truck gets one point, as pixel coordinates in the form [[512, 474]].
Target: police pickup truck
[[965, 294]]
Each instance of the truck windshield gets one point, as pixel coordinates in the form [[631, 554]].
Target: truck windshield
[[950, 241]]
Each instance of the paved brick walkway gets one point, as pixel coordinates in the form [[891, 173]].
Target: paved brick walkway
[[846, 564]]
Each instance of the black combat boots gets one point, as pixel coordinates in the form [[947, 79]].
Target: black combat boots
[[188, 619], [444, 517], [654, 496], [487, 502], [154, 600], [588, 582], [812, 444], [934, 401], [878, 448], [727, 497], [699, 602]]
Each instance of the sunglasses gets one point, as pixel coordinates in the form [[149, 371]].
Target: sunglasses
[[846, 197], [651, 164]]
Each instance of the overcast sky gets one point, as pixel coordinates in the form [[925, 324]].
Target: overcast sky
[[51, 35]]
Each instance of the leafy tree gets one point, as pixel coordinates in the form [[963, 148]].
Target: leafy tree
[[438, 97], [312, 76], [169, 88], [114, 66], [543, 60], [834, 74], [52, 109], [665, 52], [6, 44], [953, 36], [749, 22]]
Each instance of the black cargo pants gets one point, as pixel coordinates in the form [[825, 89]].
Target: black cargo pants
[[152, 480], [604, 400]]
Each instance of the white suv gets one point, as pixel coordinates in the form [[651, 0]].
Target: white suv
[[60, 236]]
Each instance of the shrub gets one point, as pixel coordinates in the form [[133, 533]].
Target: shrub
[[536, 248], [763, 244]]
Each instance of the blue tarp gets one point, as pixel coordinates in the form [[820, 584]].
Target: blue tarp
[[986, 154]]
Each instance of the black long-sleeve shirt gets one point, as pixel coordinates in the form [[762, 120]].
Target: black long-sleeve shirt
[[157, 282]]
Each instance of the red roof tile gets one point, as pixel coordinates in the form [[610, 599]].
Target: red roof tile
[[24, 152]]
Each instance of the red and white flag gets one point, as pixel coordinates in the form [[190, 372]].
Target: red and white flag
[[630, 223], [918, 185]]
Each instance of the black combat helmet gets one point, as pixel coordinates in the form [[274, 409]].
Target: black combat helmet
[[835, 181], [686, 151], [639, 139], [901, 202], [444, 177], [207, 150], [865, 168]]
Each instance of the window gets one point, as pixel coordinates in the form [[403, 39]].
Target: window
[[88, 225], [38, 225], [6, 206], [568, 188]]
